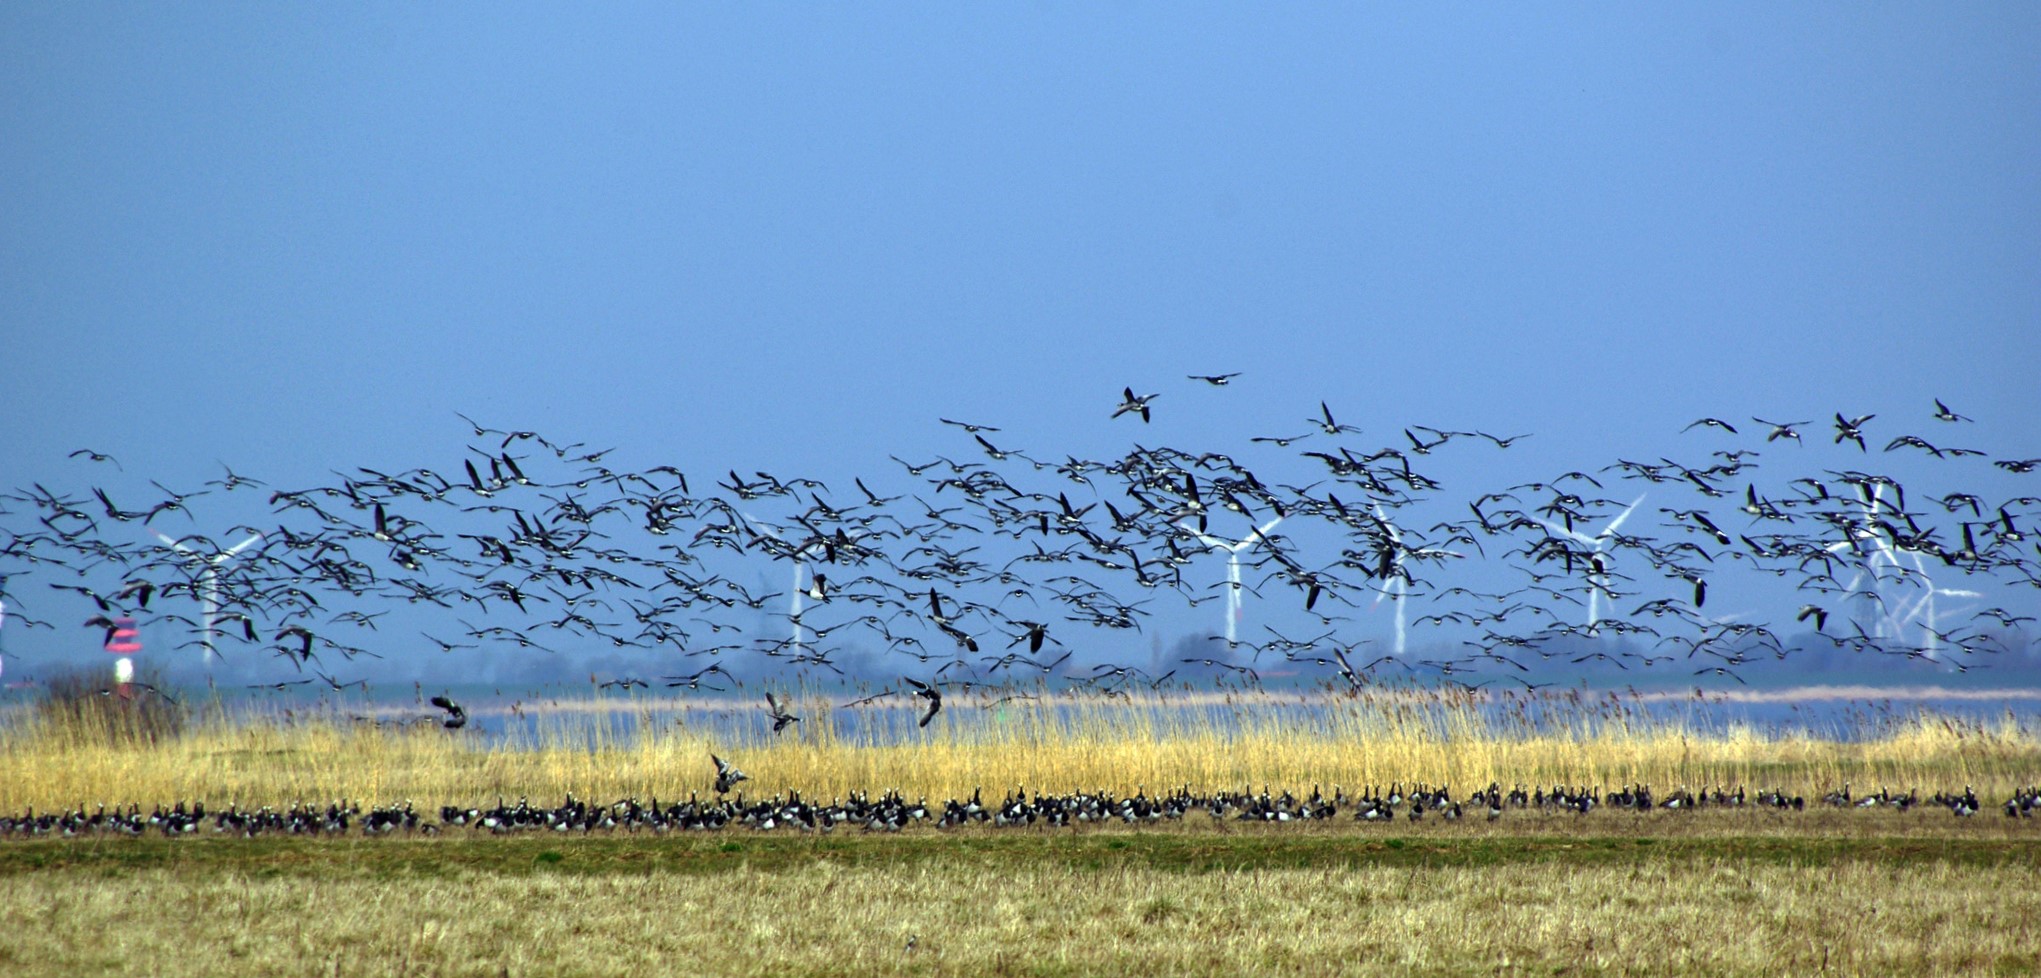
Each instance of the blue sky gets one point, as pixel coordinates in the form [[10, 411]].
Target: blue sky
[[297, 239]]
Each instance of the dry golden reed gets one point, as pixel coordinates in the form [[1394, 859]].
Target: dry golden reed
[[1052, 743]]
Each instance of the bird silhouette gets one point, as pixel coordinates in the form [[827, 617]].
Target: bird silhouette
[[933, 695], [781, 719], [455, 718], [726, 775], [1134, 404]]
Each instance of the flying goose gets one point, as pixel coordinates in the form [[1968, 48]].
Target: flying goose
[[726, 775], [456, 718], [1132, 403], [780, 717], [930, 693]]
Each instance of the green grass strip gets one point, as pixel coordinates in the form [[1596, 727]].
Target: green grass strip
[[1188, 852]]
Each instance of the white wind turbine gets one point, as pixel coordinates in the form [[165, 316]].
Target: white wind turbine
[[1880, 561], [1233, 552], [1922, 611], [800, 587], [1597, 579], [1398, 585], [208, 583]]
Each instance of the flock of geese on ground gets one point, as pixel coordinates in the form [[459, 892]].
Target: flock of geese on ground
[[892, 813], [997, 563]]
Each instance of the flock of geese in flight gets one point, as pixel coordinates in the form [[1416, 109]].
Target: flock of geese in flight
[[997, 563]]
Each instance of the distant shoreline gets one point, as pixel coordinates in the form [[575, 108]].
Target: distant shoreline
[[540, 702], [1834, 693], [541, 705]]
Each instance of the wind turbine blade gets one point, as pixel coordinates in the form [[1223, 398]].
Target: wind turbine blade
[[1557, 530], [1209, 541], [1262, 531], [237, 548], [1618, 521], [170, 541], [1395, 535]]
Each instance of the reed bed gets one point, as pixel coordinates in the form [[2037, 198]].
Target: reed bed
[[1053, 743]]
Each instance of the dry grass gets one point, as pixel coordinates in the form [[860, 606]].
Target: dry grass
[[1032, 905], [85, 705], [1090, 744]]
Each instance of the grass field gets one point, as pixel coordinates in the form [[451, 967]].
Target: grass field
[[1844, 899]]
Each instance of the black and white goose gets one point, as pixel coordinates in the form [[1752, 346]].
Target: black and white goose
[[727, 776], [930, 693], [781, 719], [1132, 403], [455, 718]]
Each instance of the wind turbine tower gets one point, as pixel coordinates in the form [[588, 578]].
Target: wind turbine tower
[[1397, 588], [800, 587]]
